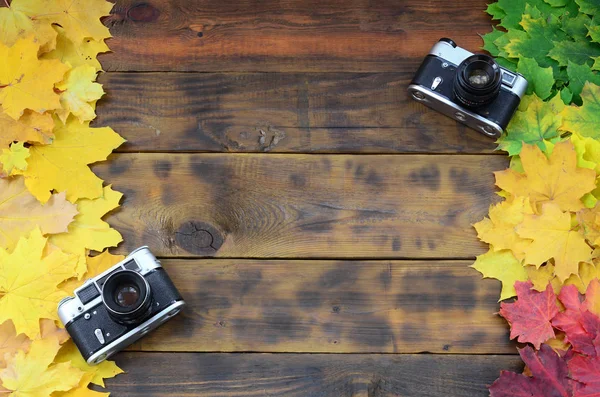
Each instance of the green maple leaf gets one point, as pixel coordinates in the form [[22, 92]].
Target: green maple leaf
[[540, 79], [514, 10], [580, 52], [488, 41], [593, 28], [542, 33], [566, 95], [576, 26], [596, 65], [537, 125], [578, 75], [584, 119], [557, 3], [495, 11], [591, 7]]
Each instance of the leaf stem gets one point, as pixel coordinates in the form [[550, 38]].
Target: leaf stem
[[6, 2]]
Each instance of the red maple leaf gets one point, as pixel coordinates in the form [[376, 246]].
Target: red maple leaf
[[530, 316], [586, 370], [579, 325], [549, 376]]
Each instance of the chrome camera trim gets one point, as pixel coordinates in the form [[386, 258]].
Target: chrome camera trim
[[127, 339], [448, 108]]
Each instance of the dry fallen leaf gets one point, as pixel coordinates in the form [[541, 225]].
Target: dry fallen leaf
[[61, 168], [78, 90], [20, 212], [33, 374], [13, 158], [29, 280], [31, 127], [104, 370], [10, 342], [553, 238], [27, 82], [555, 179]]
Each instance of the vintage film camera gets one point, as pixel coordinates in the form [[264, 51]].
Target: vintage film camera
[[470, 88], [114, 309]]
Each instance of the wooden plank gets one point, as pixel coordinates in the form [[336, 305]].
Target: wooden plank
[[285, 35], [317, 206], [332, 307], [302, 113], [307, 375]]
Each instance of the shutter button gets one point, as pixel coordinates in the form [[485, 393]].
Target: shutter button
[[99, 335]]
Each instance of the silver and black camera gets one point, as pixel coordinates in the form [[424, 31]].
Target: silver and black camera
[[470, 88], [117, 307]]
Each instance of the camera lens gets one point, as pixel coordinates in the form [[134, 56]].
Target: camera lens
[[126, 295], [478, 80]]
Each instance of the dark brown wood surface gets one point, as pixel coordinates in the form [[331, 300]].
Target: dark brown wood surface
[[302, 375], [315, 218]]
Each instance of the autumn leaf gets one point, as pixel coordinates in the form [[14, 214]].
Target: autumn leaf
[[550, 376], [14, 158], [537, 125], [529, 317], [106, 369], [80, 19], [554, 179], [499, 229], [82, 389], [553, 238], [503, 266], [31, 127], [586, 370], [585, 119], [15, 25], [20, 212], [61, 168], [27, 82], [589, 221], [10, 342], [580, 326], [95, 265], [33, 374], [29, 280], [88, 230], [79, 54], [78, 90]]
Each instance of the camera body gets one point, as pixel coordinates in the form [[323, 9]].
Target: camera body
[[114, 309], [449, 81]]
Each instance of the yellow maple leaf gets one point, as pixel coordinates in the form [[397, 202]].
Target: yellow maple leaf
[[15, 25], [78, 89], [20, 212], [589, 220], [499, 228], [88, 231], [503, 266], [10, 342], [61, 168], [82, 389], [27, 82], [94, 266], [33, 374], [31, 127], [29, 277], [84, 53], [79, 18], [541, 276], [104, 370], [553, 238], [14, 158], [555, 179]]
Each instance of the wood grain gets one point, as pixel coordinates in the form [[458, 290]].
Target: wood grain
[[285, 35], [307, 375], [332, 306], [306, 206], [287, 112]]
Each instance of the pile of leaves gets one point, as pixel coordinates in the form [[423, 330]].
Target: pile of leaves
[[544, 237], [51, 203]]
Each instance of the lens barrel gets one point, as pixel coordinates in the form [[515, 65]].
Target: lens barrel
[[478, 81], [127, 297]]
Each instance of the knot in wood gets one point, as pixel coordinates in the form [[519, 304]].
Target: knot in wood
[[143, 13], [199, 238]]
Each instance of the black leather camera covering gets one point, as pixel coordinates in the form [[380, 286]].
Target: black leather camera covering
[[500, 111], [82, 330]]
